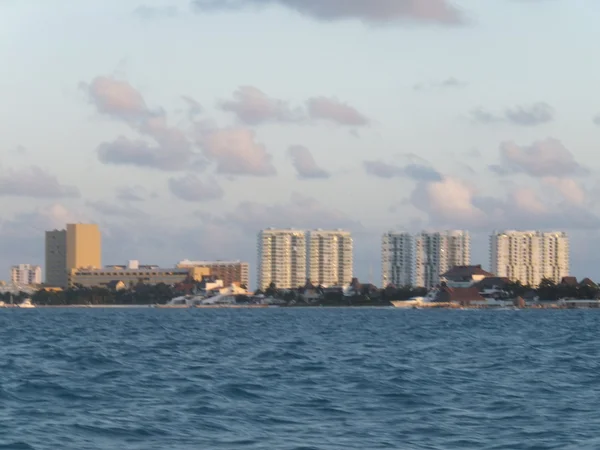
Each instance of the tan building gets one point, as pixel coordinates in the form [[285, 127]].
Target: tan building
[[132, 276], [84, 246], [281, 258], [231, 272], [79, 246], [329, 257]]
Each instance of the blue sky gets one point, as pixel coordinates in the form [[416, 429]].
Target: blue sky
[[182, 127]]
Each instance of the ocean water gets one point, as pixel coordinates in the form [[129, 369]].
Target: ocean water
[[299, 379]]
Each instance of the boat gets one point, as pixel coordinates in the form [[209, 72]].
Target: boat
[[416, 302], [26, 304]]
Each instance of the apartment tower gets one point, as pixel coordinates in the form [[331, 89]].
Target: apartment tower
[[281, 258], [329, 257], [397, 259], [530, 256], [436, 253]]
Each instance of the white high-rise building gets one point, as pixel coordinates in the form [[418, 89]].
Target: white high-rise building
[[26, 274], [330, 260], [436, 253], [397, 259], [281, 258], [529, 256]]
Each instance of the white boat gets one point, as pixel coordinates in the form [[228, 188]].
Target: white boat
[[416, 302], [26, 304]]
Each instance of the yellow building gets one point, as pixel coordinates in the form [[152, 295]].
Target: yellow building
[[84, 246]]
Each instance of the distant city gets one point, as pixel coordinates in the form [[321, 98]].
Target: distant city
[[289, 258]]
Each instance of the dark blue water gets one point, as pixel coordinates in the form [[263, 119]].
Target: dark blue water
[[299, 379]]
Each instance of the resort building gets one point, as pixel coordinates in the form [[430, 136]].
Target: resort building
[[397, 250], [281, 258], [79, 246], [529, 256], [132, 274], [329, 257], [25, 275], [436, 253], [231, 272]]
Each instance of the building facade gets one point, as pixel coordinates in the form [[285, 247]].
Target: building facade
[[231, 272], [56, 258], [84, 246], [25, 275], [529, 256], [397, 250], [436, 253], [130, 276], [281, 258], [329, 257]]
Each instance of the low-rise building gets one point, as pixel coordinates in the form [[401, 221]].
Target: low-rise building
[[464, 276], [130, 276], [26, 275], [231, 272]]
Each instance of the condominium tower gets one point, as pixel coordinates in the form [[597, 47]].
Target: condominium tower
[[25, 274], [530, 256], [79, 246], [397, 259], [435, 253], [329, 257], [281, 258]]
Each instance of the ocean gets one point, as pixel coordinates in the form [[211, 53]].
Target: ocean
[[299, 379]]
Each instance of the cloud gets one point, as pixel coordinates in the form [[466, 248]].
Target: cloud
[[192, 189], [331, 109], [171, 150], [596, 120], [155, 12], [525, 116], [252, 106], [454, 203], [373, 12], [110, 209], [116, 98], [133, 194], [305, 164], [547, 158], [236, 152], [414, 171], [448, 83], [34, 182]]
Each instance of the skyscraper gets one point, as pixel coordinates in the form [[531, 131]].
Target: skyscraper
[[529, 256], [56, 258], [330, 259], [397, 259], [435, 253], [281, 258]]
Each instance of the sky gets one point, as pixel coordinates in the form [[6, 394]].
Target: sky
[[184, 127]]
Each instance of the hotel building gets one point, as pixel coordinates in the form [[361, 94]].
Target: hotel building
[[231, 272], [281, 258], [436, 253], [25, 275], [530, 256], [79, 246], [329, 257], [397, 250]]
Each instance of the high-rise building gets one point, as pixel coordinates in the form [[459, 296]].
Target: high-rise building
[[436, 253], [231, 272], [79, 246], [330, 257], [397, 259], [84, 246], [529, 256], [281, 258], [56, 258], [25, 274]]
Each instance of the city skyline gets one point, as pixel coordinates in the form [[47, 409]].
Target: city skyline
[[190, 148]]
